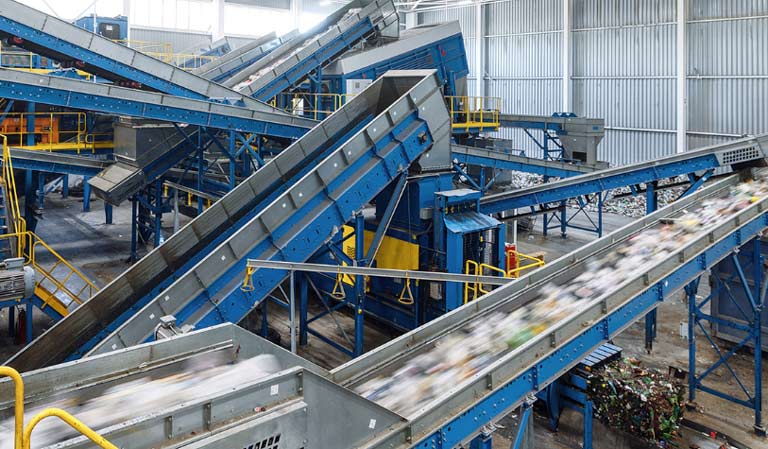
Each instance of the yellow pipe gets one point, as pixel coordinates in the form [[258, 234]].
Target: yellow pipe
[[19, 406], [69, 419]]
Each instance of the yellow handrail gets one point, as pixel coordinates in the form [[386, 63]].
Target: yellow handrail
[[17, 223], [18, 384], [76, 424], [23, 436], [469, 113], [472, 290]]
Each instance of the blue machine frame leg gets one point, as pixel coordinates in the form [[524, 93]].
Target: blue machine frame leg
[[651, 204], [524, 438], [750, 327], [86, 195], [359, 289], [108, 213], [65, 186], [11, 321]]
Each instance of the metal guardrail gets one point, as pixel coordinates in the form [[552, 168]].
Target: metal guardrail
[[474, 113]]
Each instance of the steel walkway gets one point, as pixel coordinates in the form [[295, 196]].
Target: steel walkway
[[354, 154], [290, 64], [62, 41]]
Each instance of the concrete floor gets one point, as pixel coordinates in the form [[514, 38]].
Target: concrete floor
[[101, 252]]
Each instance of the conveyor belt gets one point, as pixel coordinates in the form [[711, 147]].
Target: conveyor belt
[[486, 157], [18, 85], [267, 407], [63, 41], [57, 163], [292, 63], [224, 67], [123, 297], [409, 116], [491, 393], [751, 150]]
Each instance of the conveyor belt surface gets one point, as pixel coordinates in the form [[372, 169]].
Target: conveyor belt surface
[[291, 63], [222, 68]]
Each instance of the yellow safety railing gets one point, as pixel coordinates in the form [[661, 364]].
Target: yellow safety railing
[[164, 52], [314, 106], [16, 223], [50, 132], [473, 290], [52, 286], [189, 196], [23, 435], [474, 113], [517, 258]]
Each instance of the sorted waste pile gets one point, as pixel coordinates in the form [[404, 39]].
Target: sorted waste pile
[[461, 354], [641, 401]]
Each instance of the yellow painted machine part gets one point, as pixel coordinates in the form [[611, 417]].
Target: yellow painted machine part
[[393, 253]]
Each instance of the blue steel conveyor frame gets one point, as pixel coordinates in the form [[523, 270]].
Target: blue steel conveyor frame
[[132, 290], [279, 74], [115, 100], [309, 213]]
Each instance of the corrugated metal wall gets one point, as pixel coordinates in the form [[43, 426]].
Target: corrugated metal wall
[[624, 69]]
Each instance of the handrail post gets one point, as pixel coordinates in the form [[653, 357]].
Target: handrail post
[[18, 406]]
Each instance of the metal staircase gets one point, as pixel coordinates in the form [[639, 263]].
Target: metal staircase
[[59, 286]]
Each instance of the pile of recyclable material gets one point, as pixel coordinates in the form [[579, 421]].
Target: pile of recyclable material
[[640, 401], [142, 396], [459, 355]]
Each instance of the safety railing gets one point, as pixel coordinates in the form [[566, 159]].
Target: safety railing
[[519, 262], [16, 223], [516, 261], [23, 59], [474, 113], [23, 435], [59, 280], [313, 106], [51, 131]]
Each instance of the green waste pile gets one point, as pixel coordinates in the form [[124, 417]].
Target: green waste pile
[[641, 401]]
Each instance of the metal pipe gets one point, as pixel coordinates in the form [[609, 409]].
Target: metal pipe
[[293, 312], [375, 272]]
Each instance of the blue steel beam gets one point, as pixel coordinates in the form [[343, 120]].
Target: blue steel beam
[[743, 151], [115, 100], [483, 157], [57, 163]]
